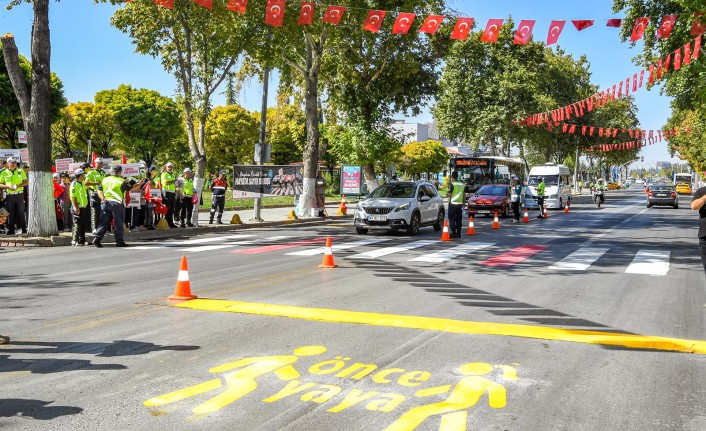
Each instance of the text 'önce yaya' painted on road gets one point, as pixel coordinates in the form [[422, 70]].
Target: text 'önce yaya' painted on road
[[450, 402], [631, 341]]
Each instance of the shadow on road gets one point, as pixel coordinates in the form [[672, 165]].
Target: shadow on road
[[35, 409], [52, 365], [116, 348]]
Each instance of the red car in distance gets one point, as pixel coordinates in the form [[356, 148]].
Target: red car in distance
[[489, 199]]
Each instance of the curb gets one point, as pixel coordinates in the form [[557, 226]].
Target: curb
[[65, 240]]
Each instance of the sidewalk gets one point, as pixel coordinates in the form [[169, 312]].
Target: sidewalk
[[270, 217]]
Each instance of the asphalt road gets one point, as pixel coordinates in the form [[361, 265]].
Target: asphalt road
[[592, 320]]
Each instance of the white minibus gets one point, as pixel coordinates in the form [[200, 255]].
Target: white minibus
[[557, 182]]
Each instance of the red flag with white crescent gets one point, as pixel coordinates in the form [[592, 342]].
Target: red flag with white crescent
[[333, 14], [615, 132], [583, 130], [555, 29], [492, 31], [614, 23], [462, 29], [524, 32], [651, 78], [600, 132], [627, 86], [666, 26], [677, 59], [687, 53], [620, 90], [208, 4], [169, 4], [697, 48], [403, 23], [572, 129], [638, 30], [431, 24], [590, 130], [374, 20], [667, 62], [582, 24], [274, 15], [306, 15], [632, 133], [589, 104], [699, 26], [238, 6]]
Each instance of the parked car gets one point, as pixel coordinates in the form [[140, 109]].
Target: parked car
[[662, 194], [400, 205], [490, 199], [683, 189], [613, 186]]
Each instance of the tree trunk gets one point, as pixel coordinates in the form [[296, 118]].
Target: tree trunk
[[369, 176], [198, 153], [36, 114]]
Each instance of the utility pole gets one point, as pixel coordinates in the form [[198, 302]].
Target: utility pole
[[261, 150], [576, 171]]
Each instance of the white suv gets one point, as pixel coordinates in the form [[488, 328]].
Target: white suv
[[400, 205]]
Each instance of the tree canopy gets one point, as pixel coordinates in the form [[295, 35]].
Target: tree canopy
[[231, 135], [423, 157]]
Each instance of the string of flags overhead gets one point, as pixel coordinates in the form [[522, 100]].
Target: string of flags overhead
[[612, 132], [333, 14]]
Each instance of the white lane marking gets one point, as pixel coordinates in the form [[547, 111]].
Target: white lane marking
[[610, 231], [339, 247], [581, 259], [200, 248], [444, 255], [650, 262], [374, 254], [163, 244]]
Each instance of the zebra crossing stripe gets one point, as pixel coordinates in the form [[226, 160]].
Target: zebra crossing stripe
[[339, 247], [650, 262], [163, 244], [374, 254], [202, 248], [581, 259], [444, 255], [515, 256]]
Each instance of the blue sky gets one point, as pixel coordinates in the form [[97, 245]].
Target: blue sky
[[89, 55]]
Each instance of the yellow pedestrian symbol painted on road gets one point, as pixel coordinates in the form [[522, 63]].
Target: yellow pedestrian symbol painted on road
[[242, 376]]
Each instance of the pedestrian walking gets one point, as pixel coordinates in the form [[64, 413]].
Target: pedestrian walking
[[168, 181], [80, 213], [13, 180], [540, 196], [187, 205], [94, 177], [320, 191], [455, 193], [65, 202], [517, 198], [218, 187], [698, 203], [112, 195]]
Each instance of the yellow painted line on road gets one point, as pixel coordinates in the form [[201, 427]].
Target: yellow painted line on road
[[630, 341]]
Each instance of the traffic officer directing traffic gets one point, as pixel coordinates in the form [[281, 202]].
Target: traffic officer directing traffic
[[540, 196], [455, 194], [79, 208], [13, 180], [112, 195], [168, 180], [94, 177], [187, 205]]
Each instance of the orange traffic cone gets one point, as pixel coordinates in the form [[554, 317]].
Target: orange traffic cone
[[471, 230], [545, 212], [525, 218], [183, 287], [566, 208], [496, 223], [445, 233], [328, 255], [342, 209]]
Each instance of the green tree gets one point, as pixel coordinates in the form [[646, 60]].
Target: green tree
[[64, 137], [94, 122], [286, 133], [423, 157], [232, 133], [147, 122]]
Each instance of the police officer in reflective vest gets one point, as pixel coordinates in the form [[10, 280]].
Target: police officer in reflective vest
[[112, 195], [93, 179], [168, 180], [79, 208], [540, 196], [187, 205], [455, 194], [13, 180]]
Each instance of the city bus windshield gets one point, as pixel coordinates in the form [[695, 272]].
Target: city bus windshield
[[549, 180]]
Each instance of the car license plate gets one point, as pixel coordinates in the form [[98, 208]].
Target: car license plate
[[662, 194], [483, 212], [377, 218]]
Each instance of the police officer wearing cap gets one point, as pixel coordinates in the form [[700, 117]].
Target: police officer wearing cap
[[218, 187], [13, 180], [540, 196], [187, 192], [168, 180], [112, 195], [94, 178], [79, 208]]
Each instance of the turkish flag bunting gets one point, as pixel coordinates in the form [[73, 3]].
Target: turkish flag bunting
[[572, 129], [462, 29], [546, 117], [583, 130], [677, 59], [306, 15], [238, 6], [568, 112], [627, 86], [634, 83], [208, 4], [651, 78], [549, 126], [600, 131], [374, 20], [431, 24], [589, 104], [666, 26], [123, 159], [576, 109], [555, 29], [667, 61], [582, 24], [333, 15], [274, 15], [644, 134], [564, 127], [638, 29], [697, 48], [614, 22], [642, 77], [582, 106], [524, 32], [632, 133], [612, 97], [697, 28], [590, 130], [659, 135], [492, 31], [687, 53], [615, 132], [169, 4], [93, 160], [620, 90], [403, 23]]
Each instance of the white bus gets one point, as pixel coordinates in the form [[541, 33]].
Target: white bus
[[557, 181]]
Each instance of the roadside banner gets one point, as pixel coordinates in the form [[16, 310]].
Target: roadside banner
[[11, 152], [134, 200], [62, 165], [21, 137], [255, 181], [24, 155], [131, 170], [351, 180], [74, 166]]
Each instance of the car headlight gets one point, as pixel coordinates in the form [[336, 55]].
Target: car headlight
[[403, 207]]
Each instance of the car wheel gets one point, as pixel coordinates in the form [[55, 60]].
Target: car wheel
[[413, 228], [361, 230], [506, 211], [649, 205], [439, 221]]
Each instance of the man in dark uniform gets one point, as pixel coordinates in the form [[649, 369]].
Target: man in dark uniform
[[218, 187], [699, 204], [456, 195]]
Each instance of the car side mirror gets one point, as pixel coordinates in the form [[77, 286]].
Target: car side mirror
[[424, 198]]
